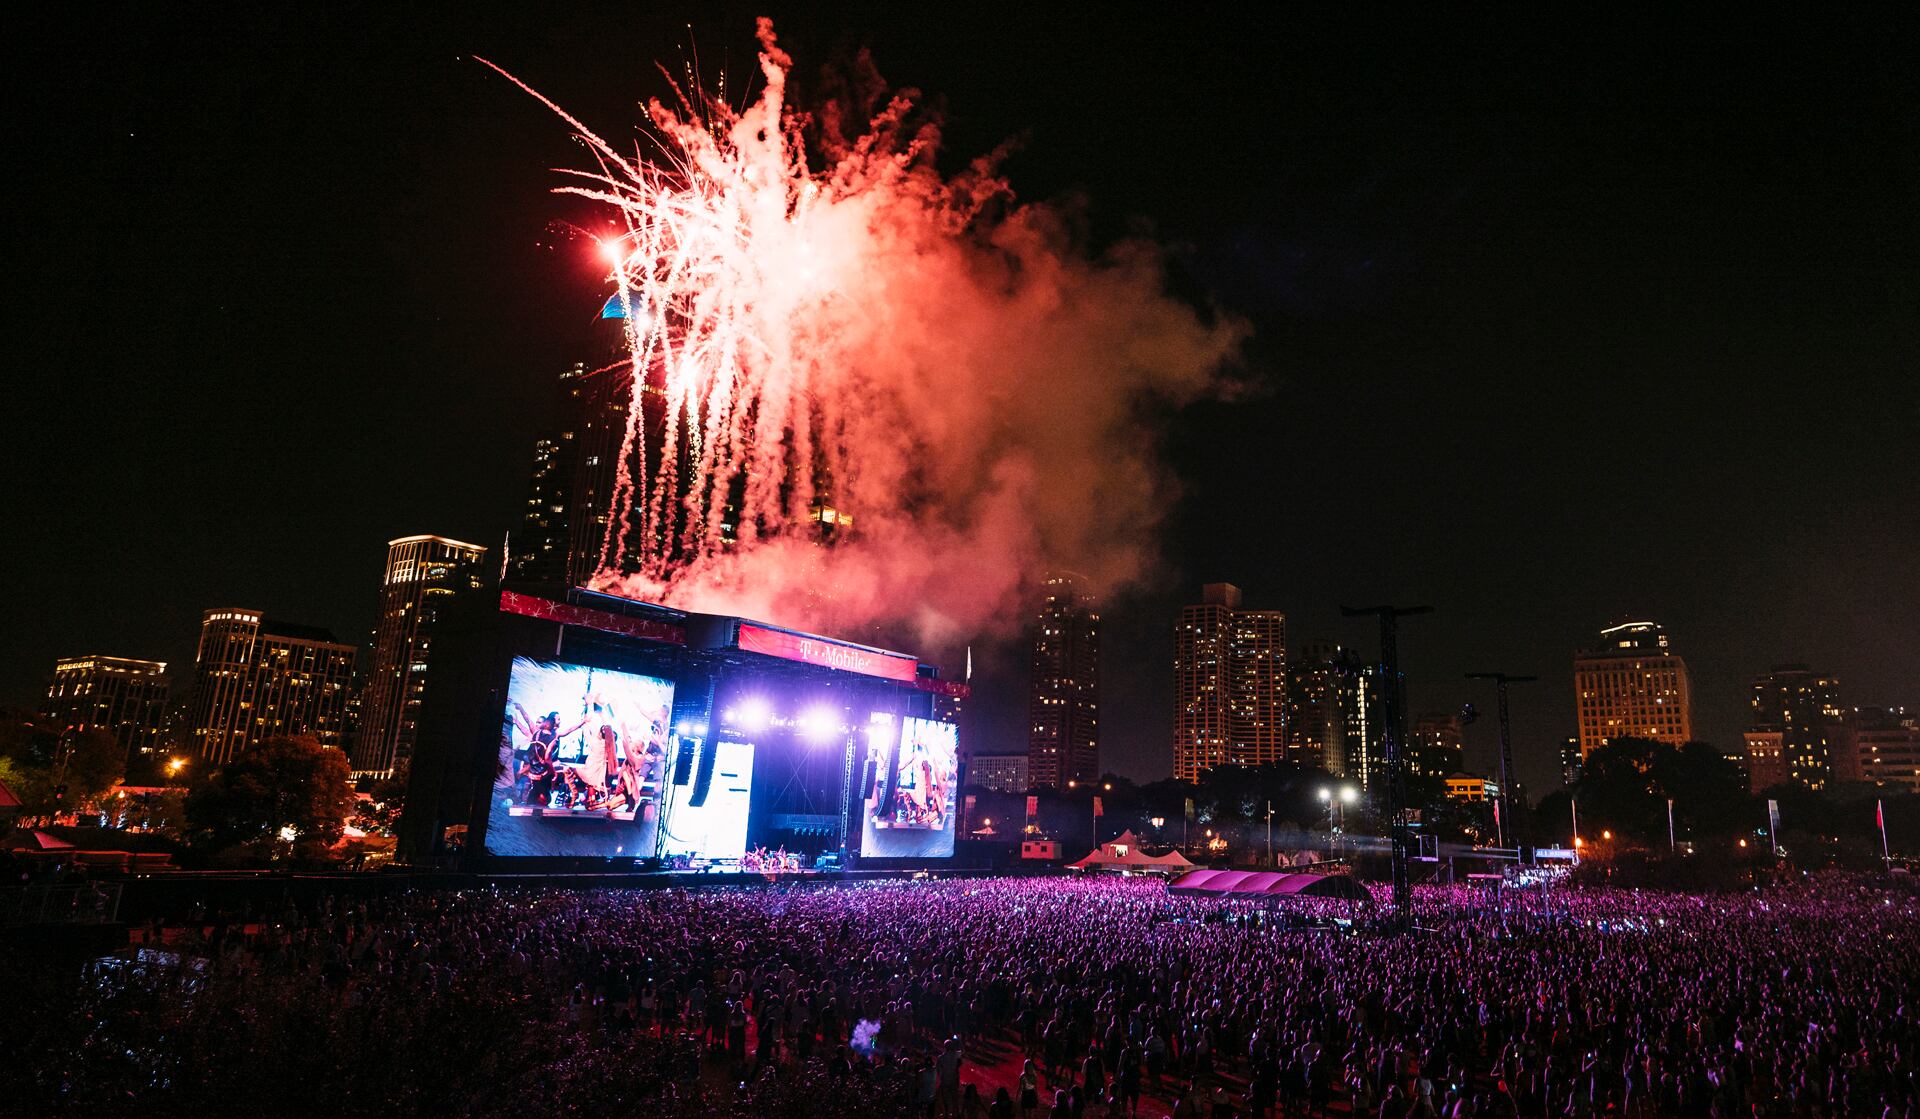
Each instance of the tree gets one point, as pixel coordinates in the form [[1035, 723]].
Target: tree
[[1233, 792], [54, 771], [386, 799], [1625, 785], [286, 790], [90, 763]]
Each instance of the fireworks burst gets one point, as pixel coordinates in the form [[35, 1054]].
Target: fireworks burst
[[818, 334]]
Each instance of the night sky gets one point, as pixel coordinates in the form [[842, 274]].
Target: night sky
[[1555, 324]]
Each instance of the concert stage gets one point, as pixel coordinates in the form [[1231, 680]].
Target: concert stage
[[570, 730]]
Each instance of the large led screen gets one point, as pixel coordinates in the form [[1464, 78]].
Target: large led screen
[[909, 805], [583, 762]]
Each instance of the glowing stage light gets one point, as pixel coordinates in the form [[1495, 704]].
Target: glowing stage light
[[820, 724], [754, 714]]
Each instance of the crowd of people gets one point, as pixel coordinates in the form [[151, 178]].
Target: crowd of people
[[1024, 997]]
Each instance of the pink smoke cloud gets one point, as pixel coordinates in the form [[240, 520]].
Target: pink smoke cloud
[[944, 361]]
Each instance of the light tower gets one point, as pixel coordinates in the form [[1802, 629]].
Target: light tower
[[1393, 739], [1509, 826]]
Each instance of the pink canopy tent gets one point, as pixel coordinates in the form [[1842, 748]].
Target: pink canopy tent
[[1268, 883]]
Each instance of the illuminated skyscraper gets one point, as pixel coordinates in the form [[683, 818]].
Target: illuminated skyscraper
[[122, 696], [1063, 741], [1632, 685], [1802, 708], [1881, 745], [1230, 684], [564, 522], [256, 679], [423, 573], [1003, 773], [1322, 680], [1366, 744], [1570, 759], [1765, 762], [1436, 744]]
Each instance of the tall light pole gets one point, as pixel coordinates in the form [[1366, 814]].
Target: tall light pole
[[1326, 795], [1336, 801], [1393, 737], [1509, 824], [1269, 833]]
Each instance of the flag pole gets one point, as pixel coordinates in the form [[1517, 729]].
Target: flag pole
[[1880, 817]]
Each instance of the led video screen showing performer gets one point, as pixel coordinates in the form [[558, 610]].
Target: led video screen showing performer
[[909, 806], [582, 760]]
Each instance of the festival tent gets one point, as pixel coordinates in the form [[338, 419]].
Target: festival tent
[[1267, 883], [35, 841], [1123, 853]]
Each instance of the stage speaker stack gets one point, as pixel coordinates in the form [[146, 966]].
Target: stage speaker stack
[[703, 775]]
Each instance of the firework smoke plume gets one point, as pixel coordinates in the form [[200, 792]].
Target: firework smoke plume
[[829, 328]]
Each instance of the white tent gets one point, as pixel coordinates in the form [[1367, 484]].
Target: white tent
[[1123, 853]]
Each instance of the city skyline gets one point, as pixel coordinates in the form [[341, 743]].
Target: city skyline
[[1855, 728], [1449, 373]]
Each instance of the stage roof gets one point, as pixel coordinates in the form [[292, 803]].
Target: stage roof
[[739, 640]]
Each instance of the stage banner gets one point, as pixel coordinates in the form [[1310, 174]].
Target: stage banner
[[1033, 807], [827, 654], [566, 613]]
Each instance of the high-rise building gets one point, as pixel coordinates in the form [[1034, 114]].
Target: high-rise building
[[1632, 685], [563, 526], [1323, 689], [538, 548], [1436, 744], [1765, 762], [1063, 741], [1230, 684], [1003, 773], [1881, 746], [1570, 759], [1472, 788], [1802, 707], [255, 679], [1366, 745], [120, 695], [423, 574]]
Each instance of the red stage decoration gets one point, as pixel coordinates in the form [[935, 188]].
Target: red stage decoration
[[827, 654], [566, 613]]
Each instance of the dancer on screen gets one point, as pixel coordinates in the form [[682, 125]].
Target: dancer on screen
[[543, 746]]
